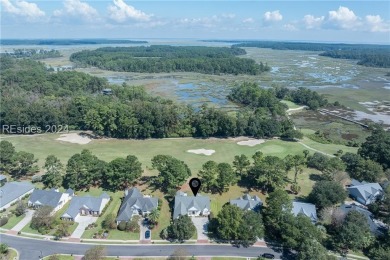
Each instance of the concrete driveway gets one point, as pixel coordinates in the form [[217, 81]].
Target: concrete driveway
[[201, 227], [27, 218], [83, 221], [143, 229]]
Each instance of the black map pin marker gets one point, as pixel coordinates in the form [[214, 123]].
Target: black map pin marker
[[195, 185]]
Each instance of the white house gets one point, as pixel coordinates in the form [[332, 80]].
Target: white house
[[52, 198], [191, 205]]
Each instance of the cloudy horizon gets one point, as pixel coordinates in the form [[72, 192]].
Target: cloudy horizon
[[317, 21]]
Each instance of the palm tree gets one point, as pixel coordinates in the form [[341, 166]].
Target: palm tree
[[154, 216]]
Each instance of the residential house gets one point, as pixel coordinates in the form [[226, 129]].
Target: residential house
[[247, 202], [12, 192], [307, 209], [365, 193], [52, 198], [85, 206], [375, 226], [107, 91], [191, 205], [134, 203], [3, 180]]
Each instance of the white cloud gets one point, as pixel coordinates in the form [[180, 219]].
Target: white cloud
[[228, 16], [290, 27], [313, 22], [76, 8], [121, 12], [376, 24], [248, 20], [343, 18], [271, 17], [22, 8], [208, 22]]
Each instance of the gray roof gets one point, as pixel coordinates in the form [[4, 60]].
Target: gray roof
[[183, 203], [45, 197], [134, 200], [2, 177], [357, 183], [70, 192], [247, 202], [92, 203], [366, 192], [307, 209], [374, 227], [13, 190]]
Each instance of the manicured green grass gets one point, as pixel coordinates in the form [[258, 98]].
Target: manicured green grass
[[73, 227], [12, 221], [108, 149], [290, 104], [165, 216], [11, 255], [62, 257], [328, 148], [123, 235], [229, 258]]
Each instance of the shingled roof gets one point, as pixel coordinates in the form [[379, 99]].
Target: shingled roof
[[13, 190], [134, 200], [89, 202], [184, 203], [306, 209], [45, 197], [247, 202], [365, 193]]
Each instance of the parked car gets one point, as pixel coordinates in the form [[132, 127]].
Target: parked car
[[147, 234], [268, 256]]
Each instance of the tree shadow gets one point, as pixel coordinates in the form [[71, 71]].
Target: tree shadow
[[315, 177]]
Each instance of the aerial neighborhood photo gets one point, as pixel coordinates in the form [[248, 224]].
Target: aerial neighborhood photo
[[194, 130]]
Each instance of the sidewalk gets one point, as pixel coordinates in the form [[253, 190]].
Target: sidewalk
[[27, 218]]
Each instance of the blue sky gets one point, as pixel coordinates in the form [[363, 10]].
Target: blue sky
[[324, 21]]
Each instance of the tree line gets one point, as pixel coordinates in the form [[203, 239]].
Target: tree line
[[35, 54], [156, 59], [33, 96], [252, 95], [366, 54]]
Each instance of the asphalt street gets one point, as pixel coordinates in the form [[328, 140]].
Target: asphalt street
[[31, 249]]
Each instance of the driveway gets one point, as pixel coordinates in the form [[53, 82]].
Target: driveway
[[201, 227], [143, 228], [83, 221], [27, 218]]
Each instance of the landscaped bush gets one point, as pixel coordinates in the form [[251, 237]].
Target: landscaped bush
[[3, 221], [122, 226], [36, 178], [132, 225]]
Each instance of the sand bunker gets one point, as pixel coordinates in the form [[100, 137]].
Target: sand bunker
[[74, 138], [251, 142], [202, 151]]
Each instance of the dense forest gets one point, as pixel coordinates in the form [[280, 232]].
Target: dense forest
[[33, 96], [35, 54], [254, 96], [154, 59], [367, 55], [66, 41]]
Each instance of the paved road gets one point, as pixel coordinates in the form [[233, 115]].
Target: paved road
[[29, 249], [27, 218]]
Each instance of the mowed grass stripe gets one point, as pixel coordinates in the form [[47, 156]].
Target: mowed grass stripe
[[108, 149]]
